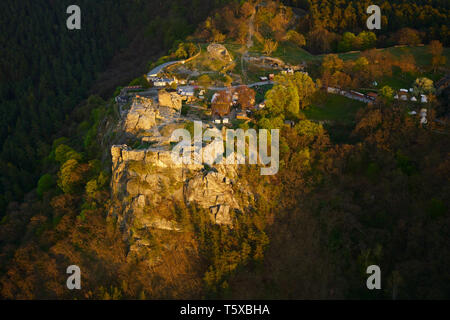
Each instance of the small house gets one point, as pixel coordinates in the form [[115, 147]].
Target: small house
[[186, 91]]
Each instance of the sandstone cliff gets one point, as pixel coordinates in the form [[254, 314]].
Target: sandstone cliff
[[147, 184], [141, 117]]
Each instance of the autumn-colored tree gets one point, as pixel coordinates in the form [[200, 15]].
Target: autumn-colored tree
[[296, 38], [221, 103], [332, 63], [320, 40], [204, 81], [246, 97], [71, 176], [347, 42], [270, 46], [387, 93], [408, 36], [423, 86], [437, 58], [290, 94], [341, 80]]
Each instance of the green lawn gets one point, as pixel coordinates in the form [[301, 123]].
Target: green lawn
[[338, 114], [334, 108], [293, 54]]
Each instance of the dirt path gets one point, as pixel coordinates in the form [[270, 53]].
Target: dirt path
[[249, 44]]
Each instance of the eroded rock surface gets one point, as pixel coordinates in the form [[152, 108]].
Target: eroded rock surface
[[219, 51], [142, 116], [146, 184], [170, 99]]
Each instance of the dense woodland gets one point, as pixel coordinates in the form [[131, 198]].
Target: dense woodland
[[47, 70], [334, 25], [377, 196]]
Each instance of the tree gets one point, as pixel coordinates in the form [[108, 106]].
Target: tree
[[320, 40], [436, 48], [71, 176], [221, 103], [347, 42], [291, 94], [181, 52], [341, 80], [204, 81], [283, 100], [332, 63], [246, 97], [270, 46], [387, 93], [305, 88], [368, 39], [45, 183], [437, 58], [361, 64], [296, 38], [408, 36], [64, 153], [423, 86]]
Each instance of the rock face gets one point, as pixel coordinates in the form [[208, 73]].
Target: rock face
[[212, 190], [146, 184], [219, 51], [170, 99], [141, 117]]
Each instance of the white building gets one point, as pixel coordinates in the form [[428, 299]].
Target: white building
[[162, 82], [187, 91]]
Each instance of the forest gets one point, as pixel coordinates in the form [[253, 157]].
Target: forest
[[46, 71], [370, 192]]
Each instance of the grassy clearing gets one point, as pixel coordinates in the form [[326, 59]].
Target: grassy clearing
[[421, 54], [293, 54], [335, 108], [338, 114]]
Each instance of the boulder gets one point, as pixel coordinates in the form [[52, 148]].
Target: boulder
[[219, 51], [141, 117], [170, 99], [221, 215]]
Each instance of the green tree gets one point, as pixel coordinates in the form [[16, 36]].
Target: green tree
[[270, 46], [64, 153], [387, 93], [347, 42], [367, 39], [423, 86], [332, 63], [45, 183], [296, 38], [71, 176]]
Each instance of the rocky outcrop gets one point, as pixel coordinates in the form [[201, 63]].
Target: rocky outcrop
[[170, 99], [146, 185], [142, 116], [212, 190], [219, 51]]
